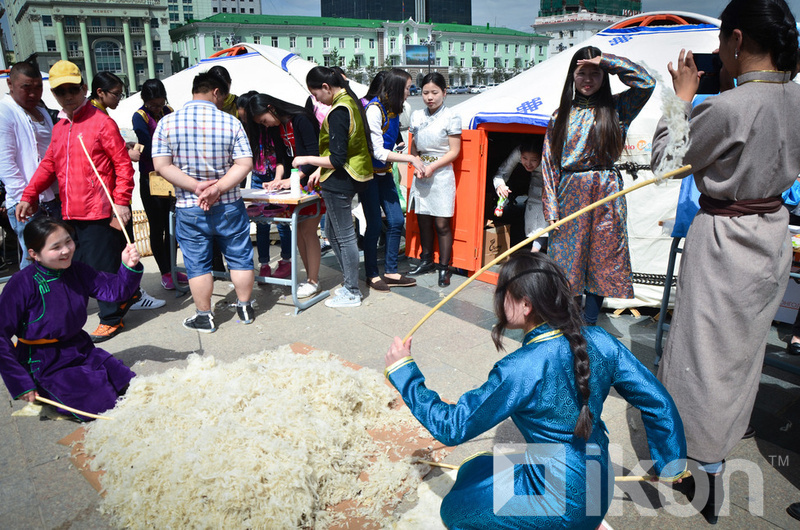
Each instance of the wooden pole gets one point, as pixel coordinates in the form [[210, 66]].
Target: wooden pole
[[680, 172], [75, 411], [625, 478], [105, 188]]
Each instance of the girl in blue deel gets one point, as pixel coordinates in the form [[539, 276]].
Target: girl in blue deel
[[553, 389]]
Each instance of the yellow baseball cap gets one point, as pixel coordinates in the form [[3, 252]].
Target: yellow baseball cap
[[64, 72]]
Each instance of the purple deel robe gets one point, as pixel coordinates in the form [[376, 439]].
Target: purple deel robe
[[39, 303]]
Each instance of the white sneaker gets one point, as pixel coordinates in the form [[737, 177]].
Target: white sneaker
[[147, 302], [345, 299], [307, 289]]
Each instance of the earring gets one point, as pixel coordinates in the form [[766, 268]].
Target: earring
[[736, 54]]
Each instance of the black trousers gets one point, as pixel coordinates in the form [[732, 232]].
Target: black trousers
[[100, 246]]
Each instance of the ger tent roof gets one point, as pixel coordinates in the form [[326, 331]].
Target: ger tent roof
[[266, 69]]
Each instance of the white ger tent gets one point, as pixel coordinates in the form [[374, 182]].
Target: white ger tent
[[272, 71], [531, 97]]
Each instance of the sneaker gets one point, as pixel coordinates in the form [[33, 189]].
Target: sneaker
[[307, 289], [284, 269], [183, 279], [105, 332], [148, 302], [201, 323], [246, 313], [344, 299], [324, 246], [167, 283], [265, 270]]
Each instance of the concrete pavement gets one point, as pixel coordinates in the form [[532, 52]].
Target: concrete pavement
[[40, 489]]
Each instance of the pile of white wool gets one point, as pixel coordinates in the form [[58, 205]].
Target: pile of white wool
[[272, 440]]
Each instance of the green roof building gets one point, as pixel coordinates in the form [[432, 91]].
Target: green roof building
[[463, 54]]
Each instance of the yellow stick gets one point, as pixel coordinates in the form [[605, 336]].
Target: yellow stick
[[76, 411], [105, 188], [671, 174], [626, 478], [437, 464]]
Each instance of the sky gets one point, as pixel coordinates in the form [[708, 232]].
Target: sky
[[517, 14]]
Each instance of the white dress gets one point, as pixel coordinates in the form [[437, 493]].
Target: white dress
[[434, 195]]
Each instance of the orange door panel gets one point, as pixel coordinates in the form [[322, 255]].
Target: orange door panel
[[470, 172]]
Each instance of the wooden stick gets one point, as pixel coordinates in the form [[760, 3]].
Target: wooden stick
[[437, 464], [76, 411], [671, 174], [626, 478], [105, 188]]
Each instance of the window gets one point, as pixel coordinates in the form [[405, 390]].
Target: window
[[96, 22], [462, 62], [326, 42], [439, 46], [70, 21], [51, 45], [485, 47], [341, 61], [371, 44], [463, 46], [157, 45], [107, 56], [356, 42], [392, 43], [111, 22], [496, 47], [274, 42], [137, 46], [159, 68], [47, 21], [139, 69], [474, 47], [242, 10], [449, 46], [508, 48], [252, 11], [224, 9], [256, 39], [541, 49], [486, 63], [310, 59], [136, 23], [215, 10], [505, 63], [215, 41], [452, 61], [292, 42], [372, 61], [153, 22], [309, 41], [341, 43], [516, 48]]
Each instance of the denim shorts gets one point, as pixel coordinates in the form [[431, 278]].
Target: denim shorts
[[227, 225]]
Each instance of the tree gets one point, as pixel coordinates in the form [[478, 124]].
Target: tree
[[497, 75], [354, 70], [478, 71], [371, 70], [332, 59]]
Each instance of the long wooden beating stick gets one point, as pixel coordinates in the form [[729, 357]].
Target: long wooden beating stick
[[621, 478], [670, 174], [76, 411], [105, 188]]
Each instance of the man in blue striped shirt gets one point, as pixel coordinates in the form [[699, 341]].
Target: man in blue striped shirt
[[205, 154]]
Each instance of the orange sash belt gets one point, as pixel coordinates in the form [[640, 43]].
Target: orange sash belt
[[37, 341]]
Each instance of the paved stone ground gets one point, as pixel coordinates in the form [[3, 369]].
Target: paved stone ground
[[40, 489]]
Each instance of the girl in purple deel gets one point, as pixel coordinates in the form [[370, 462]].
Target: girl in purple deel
[[44, 308]]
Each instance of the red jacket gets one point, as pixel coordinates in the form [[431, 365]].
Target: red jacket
[[82, 196]]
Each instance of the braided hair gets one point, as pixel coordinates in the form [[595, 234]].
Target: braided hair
[[769, 25], [536, 278]]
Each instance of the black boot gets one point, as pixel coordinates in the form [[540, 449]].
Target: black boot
[[444, 275], [706, 489], [425, 265]]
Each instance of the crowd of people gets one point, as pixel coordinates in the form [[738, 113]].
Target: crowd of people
[[342, 147]]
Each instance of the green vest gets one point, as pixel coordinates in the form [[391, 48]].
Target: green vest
[[359, 162]]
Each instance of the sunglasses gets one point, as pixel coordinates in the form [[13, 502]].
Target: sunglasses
[[63, 91]]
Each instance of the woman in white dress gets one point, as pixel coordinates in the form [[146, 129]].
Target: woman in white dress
[[437, 140]]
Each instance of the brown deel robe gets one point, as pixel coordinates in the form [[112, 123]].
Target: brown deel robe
[[744, 144]]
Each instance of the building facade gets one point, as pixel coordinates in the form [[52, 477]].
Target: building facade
[[442, 11], [570, 22], [463, 54], [184, 11], [129, 38]]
